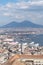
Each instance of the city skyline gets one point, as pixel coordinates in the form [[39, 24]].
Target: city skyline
[[19, 10]]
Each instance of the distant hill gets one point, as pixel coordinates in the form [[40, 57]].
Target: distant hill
[[22, 24]]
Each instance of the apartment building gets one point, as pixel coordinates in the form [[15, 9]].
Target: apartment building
[[26, 60]]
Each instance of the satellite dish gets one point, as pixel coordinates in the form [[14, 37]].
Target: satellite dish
[[36, 45], [24, 43], [32, 43]]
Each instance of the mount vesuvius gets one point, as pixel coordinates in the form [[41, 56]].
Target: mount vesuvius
[[22, 24]]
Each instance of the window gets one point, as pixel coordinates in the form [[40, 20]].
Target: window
[[29, 62]]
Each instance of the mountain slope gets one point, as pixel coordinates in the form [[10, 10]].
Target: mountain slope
[[22, 24]]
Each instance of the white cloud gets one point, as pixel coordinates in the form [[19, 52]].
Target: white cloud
[[40, 3], [23, 10], [22, 5], [8, 5], [7, 14]]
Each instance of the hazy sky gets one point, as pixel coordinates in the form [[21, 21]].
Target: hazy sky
[[18, 10]]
